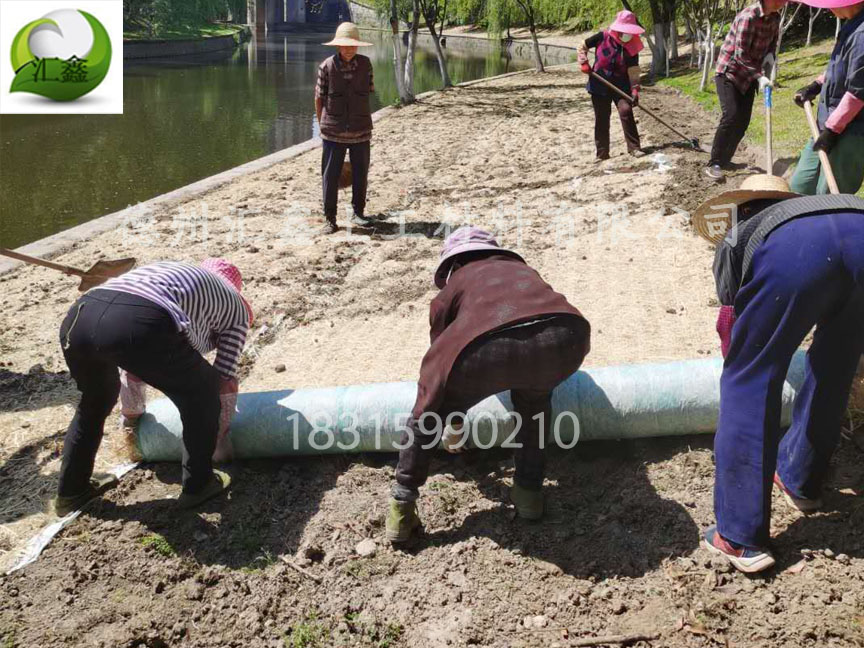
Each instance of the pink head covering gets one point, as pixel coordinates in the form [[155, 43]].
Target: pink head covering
[[626, 23], [230, 274], [829, 4], [465, 239]]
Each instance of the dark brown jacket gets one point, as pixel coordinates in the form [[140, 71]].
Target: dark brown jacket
[[480, 297], [347, 103]]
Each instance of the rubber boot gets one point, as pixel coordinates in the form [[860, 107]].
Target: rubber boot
[[218, 482], [64, 505], [529, 503], [402, 521]]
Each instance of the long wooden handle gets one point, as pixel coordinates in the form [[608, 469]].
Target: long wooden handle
[[769, 137], [41, 262], [624, 95], [823, 156]]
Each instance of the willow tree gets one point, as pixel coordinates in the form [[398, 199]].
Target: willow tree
[[499, 14], [433, 11]]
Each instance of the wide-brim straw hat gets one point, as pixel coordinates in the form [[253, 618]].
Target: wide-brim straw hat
[[348, 35], [466, 239], [712, 220]]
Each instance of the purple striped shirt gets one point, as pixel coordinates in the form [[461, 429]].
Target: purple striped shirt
[[208, 311]]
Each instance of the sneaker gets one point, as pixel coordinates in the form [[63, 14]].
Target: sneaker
[[64, 505], [360, 221], [802, 504], [714, 172], [742, 558], [637, 153], [402, 521], [602, 156], [529, 503], [218, 482], [330, 227]]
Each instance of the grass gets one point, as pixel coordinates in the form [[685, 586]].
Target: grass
[[184, 32], [309, 633], [159, 544]]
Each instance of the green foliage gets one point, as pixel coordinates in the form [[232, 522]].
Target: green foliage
[[156, 16], [159, 544], [307, 634]]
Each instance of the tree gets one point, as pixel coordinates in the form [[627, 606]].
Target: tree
[[810, 20], [786, 20], [527, 7], [432, 10], [404, 96]]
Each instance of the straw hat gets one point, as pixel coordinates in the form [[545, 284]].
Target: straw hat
[[348, 35], [713, 218], [466, 239]]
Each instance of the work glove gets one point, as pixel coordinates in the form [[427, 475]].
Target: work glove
[[768, 64], [826, 141], [224, 451], [586, 68], [133, 399], [725, 322], [807, 93], [634, 92], [764, 82], [582, 57]]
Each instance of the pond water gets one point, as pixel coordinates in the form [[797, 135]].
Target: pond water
[[185, 118]]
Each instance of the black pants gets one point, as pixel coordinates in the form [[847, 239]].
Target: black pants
[[602, 113], [530, 361], [107, 329], [737, 109], [332, 159]]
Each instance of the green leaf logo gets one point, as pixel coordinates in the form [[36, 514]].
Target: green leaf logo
[[62, 56]]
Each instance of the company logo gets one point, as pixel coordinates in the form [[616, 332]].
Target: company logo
[[62, 56]]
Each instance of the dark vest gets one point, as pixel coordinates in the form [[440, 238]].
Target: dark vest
[[735, 253], [346, 106], [839, 77]]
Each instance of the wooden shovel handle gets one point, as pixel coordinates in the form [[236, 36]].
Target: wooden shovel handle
[[823, 156], [41, 262]]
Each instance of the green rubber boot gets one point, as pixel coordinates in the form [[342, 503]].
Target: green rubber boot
[[529, 503], [63, 506], [402, 521], [218, 482]]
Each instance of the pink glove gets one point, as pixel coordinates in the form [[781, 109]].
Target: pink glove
[[228, 396], [133, 398], [725, 322], [634, 91]]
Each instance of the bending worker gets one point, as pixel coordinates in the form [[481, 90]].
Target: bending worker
[[840, 91], [155, 323], [744, 64], [790, 264], [617, 61], [495, 325]]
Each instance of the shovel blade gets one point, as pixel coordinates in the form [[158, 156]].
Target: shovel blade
[[104, 270]]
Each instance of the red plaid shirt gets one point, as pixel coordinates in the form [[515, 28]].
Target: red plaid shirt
[[751, 38]]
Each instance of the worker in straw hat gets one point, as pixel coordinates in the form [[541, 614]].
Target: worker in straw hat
[[495, 326], [342, 95], [617, 61], [784, 264], [840, 91], [155, 323]]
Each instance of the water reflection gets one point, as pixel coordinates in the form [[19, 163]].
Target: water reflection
[[185, 119]]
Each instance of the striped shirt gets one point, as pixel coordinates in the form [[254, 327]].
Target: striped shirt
[[206, 309]]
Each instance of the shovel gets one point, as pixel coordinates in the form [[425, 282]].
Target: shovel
[[99, 273], [692, 140], [823, 156], [769, 140]]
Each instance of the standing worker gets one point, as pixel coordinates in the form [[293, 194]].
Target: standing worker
[[495, 325], [789, 264], [744, 64], [840, 118], [155, 323], [617, 61], [342, 96]]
